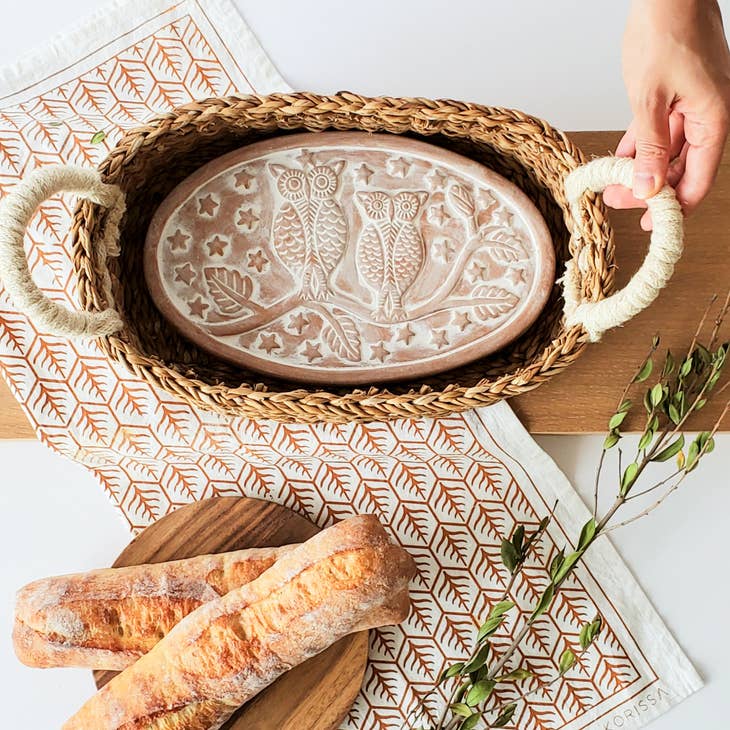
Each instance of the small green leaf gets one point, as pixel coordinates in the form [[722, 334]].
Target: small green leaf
[[517, 538], [670, 451], [703, 354], [567, 660], [586, 534], [647, 402], [510, 557], [544, 522], [479, 692], [625, 407], [629, 477], [501, 608], [686, 368], [556, 564], [589, 632], [701, 404], [478, 661], [544, 603], [611, 440], [655, 342], [616, 420], [98, 137], [567, 565], [657, 394], [653, 424], [645, 371], [451, 671], [505, 715], [489, 627], [516, 675], [471, 722], [674, 416], [459, 708], [645, 440], [693, 455], [669, 365]]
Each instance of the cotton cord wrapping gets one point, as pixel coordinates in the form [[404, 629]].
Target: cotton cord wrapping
[[16, 212], [665, 248]]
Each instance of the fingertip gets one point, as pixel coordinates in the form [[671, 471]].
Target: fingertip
[[646, 222]]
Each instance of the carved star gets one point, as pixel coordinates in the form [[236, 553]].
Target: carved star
[[439, 338], [257, 260], [216, 246], [311, 352], [184, 274], [380, 351], [198, 307], [178, 241], [305, 158], [244, 179], [298, 322], [269, 343], [437, 214], [444, 249], [502, 217], [247, 218], [207, 205], [406, 335], [437, 180], [398, 167], [477, 272], [487, 199], [363, 174], [462, 321], [515, 276]]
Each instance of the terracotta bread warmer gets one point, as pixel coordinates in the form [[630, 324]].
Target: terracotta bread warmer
[[117, 204]]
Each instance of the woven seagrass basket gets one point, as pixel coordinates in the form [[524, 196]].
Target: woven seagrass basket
[[150, 160]]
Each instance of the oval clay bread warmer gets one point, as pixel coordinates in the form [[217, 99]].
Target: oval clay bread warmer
[[348, 258]]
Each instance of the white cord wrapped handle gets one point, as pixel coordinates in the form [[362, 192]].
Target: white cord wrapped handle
[[16, 212], [665, 249]]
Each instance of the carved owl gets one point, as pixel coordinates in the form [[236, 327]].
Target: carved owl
[[309, 233], [390, 249]]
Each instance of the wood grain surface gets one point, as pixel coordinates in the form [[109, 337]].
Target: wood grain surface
[[582, 398], [315, 695]]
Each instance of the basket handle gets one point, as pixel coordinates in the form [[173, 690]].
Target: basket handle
[[16, 212], [665, 249]]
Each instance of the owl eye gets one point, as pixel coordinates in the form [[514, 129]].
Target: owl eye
[[323, 181]]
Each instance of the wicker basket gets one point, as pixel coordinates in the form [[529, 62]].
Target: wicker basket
[[150, 160]]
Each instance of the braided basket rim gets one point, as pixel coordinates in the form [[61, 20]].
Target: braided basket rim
[[531, 141]]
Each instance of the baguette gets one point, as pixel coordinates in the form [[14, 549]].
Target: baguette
[[107, 619], [225, 652]]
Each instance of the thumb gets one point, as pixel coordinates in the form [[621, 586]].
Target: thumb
[[652, 150]]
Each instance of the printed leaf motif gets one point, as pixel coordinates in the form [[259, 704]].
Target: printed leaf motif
[[492, 301], [342, 337], [231, 290]]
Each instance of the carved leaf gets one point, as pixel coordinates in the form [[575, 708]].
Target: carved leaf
[[231, 290], [492, 301], [343, 338], [504, 248], [462, 200]]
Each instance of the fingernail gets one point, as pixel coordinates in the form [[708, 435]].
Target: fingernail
[[644, 185]]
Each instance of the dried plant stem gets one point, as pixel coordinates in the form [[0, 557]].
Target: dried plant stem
[[701, 325]]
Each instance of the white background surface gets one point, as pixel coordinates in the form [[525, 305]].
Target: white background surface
[[558, 59]]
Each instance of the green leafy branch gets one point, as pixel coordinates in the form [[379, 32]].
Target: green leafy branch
[[681, 387]]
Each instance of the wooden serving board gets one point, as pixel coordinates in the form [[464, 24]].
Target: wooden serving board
[[315, 695], [582, 398]]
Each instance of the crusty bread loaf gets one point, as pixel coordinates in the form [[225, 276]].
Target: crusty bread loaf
[[228, 650], [107, 619]]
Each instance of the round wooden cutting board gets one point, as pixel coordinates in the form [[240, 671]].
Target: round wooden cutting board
[[313, 696]]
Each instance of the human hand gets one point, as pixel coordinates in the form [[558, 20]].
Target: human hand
[[677, 73]]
